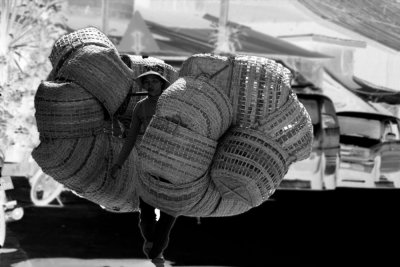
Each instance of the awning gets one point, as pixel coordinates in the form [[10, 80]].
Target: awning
[[366, 90], [179, 41], [256, 42], [375, 93]]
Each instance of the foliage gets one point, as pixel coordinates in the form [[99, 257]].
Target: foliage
[[28, 29]]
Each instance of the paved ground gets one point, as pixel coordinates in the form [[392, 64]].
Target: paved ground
[[294, 228]]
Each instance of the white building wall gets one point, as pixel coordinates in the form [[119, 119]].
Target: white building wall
[[375, 63], [378, 67]]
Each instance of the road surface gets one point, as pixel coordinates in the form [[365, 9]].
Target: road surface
[[293, 228]]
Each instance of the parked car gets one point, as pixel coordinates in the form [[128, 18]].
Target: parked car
[[317, 172], [369, 150]]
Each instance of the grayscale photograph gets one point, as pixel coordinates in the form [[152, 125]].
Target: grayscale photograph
[[199, 133]]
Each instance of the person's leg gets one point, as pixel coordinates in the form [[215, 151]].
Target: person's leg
[[161, 235], [147, 222]]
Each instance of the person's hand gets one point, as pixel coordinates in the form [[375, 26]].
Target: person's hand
[[115, 170]]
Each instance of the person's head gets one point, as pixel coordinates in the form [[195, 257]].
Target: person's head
[[152, 82]]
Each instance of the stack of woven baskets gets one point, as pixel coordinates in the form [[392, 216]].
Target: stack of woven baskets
[[222, 138], [89, 83]]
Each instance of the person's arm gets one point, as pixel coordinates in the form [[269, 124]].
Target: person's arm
[[129, 143]]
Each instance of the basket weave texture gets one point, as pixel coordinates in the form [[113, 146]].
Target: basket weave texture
[[200, 198], [119, 194], [218, 68], [247, 166], [222, 139], [197, 105], [101, 72], [83, 164], [256, 86], [175, 153], [270, 130], [70, 161], [174, 199], [67, 43], [66, 110], [88, 83], [291, 127]]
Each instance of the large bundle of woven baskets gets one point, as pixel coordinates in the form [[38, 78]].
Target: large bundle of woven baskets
[[89, 87], [223, 137]]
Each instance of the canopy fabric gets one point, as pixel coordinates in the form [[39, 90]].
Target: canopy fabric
[[343, 98], [257, 42], [375, 93], [187, 41], [366, 90], [377, 20]]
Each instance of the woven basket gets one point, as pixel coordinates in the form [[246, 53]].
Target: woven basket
[[66, 44], [173, 199], [197, 105], [261, 86], [72, 161], [208, 203], [101, 72], [248, 166], [175, 153], [66, 110], [218, 68], [83, 164], [256, 86], [213, 204], [119, 194], [230, 207], [200, 198], [291, 127]]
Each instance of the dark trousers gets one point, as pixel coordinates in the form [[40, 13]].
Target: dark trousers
[[155, 231]]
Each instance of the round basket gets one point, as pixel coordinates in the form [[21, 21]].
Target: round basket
[[83, 164], [119, 194], [208, 203], [66, 44], [175, 153], [212, 204], [218, 68], [66, 110], [197, 105], [260, 87], [248, 166], [256, 86], [72, 162], [291, 127], [101, 72], [230, 207], [173, 199]]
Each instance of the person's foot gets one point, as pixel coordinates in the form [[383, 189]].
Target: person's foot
[[147, 246], [158, 261]]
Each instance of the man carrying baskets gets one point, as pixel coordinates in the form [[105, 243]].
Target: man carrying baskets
[[155, 233]]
